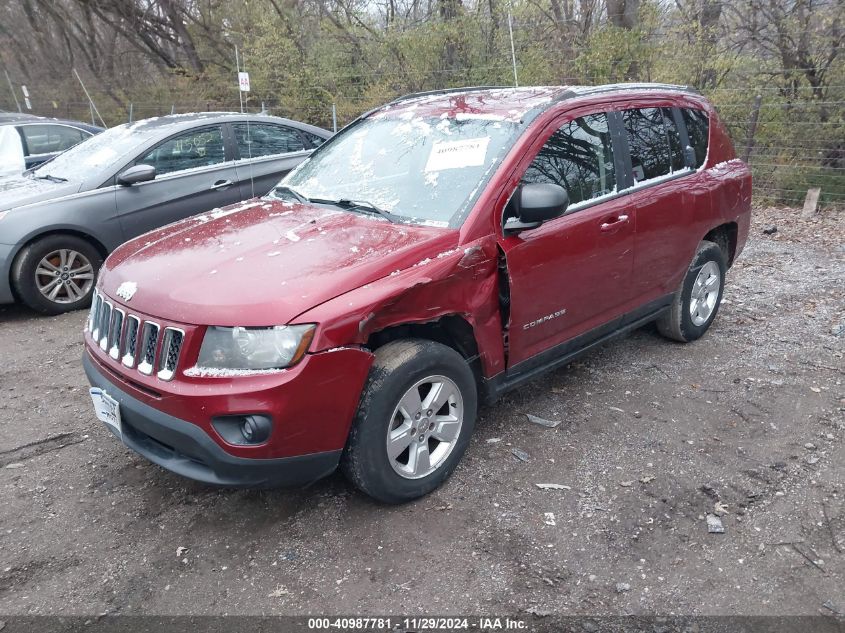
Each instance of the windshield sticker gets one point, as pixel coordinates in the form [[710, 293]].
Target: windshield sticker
[[457, 154]]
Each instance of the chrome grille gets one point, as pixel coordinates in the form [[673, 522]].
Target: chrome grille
[[134, 342]]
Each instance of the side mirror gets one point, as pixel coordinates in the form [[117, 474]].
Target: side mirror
[[537, 203], [136, 174]]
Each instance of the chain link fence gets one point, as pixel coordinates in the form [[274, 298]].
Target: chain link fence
[[791, 145]]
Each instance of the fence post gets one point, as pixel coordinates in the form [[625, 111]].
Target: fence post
[[334, 118], [752, 127], [131, 108]]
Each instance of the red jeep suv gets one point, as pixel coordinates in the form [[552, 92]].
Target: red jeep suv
[[439, 251]]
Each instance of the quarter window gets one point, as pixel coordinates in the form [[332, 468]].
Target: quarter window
[[698, 130], [315, 140], [260, 139], [47, 139], [191, 150], [579, 158]]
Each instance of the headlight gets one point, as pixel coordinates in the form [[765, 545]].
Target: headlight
[[254, 347]]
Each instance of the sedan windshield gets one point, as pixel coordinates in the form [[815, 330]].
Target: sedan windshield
[[418, 169], [93, 154]]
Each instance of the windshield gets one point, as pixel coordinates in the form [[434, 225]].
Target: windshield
[[420, 169], [93, 154]]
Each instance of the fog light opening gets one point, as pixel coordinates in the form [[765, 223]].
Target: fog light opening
[[255, 429]]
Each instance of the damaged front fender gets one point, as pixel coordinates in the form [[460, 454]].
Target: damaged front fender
[[462, 282]]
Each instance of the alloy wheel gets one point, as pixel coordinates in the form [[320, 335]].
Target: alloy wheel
[[425, 427], [64, 276], [705, 293]]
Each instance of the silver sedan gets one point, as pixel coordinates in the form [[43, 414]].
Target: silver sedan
[[60, 220]]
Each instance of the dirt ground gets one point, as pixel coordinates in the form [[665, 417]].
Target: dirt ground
[[748, 423]]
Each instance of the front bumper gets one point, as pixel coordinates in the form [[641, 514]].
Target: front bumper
[[6, 252], [186, 449]]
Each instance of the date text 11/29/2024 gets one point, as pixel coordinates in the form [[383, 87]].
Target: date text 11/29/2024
[[417, 623]]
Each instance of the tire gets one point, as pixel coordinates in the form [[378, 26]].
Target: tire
[[401, 368], [56, 274], [688, 319]]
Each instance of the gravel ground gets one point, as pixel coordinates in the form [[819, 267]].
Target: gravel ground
[[747, 423]]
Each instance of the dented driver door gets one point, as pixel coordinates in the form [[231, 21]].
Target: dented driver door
[[571, 277]]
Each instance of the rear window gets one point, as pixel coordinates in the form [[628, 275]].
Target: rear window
[[46, 139], [263, 139], [698, 130]]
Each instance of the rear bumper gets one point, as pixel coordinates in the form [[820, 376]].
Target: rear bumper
[[186, 449]]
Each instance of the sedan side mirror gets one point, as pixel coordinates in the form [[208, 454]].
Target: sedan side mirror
[[537, 203], [136, 174]]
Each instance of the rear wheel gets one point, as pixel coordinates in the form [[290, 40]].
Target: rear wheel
[[414, 421], [697, 301], [56, 273]]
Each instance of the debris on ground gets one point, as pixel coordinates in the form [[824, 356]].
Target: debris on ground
[[278, 592], [549, 424], [494, 440], [720, 509], [538, 612], [553, 487], [520, 454], [549, 518], [714, 524], [770, 230], [622, 587], [180, 551], [626, 484], [646, 479]]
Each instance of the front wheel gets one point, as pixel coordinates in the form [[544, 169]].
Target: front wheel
[[414, 422], [56, 273], [697, 301]]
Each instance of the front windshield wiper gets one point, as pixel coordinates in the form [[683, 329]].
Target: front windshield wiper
[[283, 189], [51, 178], [359, 205]]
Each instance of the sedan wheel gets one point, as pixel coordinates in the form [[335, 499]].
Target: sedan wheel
[[64, 276], [56, 273]]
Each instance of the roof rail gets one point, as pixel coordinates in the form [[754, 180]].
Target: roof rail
[[446, 91], [580, 91]]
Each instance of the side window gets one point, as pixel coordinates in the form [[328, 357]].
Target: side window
[[46, 139], [579, 158], [315, 140], [197, 148], [648, 143], [676, 152], [698, 130], [263, 139]]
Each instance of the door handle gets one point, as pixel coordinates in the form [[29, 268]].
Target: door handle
[[614, 223], [222, 184]]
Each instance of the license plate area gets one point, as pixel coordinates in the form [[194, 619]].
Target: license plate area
[[107, 409]]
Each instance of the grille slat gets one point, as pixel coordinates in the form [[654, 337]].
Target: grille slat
[[134, 342], [171, 346], [105, 323], [130, 341], [115, 332], [149, 344]]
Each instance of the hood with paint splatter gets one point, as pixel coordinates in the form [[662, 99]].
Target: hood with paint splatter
[[263, 262]]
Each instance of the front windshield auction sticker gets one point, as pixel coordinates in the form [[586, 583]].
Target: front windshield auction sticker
[[457, 154]]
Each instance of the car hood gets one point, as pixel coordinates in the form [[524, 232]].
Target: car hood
[[19, 191], [262, 262]]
